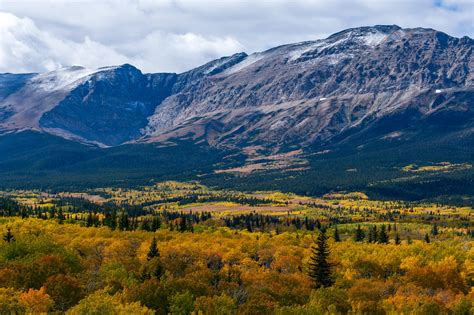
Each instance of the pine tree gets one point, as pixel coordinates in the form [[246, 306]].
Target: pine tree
[[359, 234], [96, 220], [52, 213], [124, 223], [153, 251], [113, 220], [319, 266], [336, 236], [183, 225], [382, 237], [427, 238], [8, 237], [249, 226], [60, 216], [373, 235], [159, 269], [24, 213], [434, 230], [145, 226], [89, 221], [397, 239], [155, 224]]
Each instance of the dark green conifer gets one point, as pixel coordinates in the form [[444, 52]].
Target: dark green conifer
[[183, 225], [8, 237], [153, 251], [145, 226], [359, 234], [89, 220], [113, 220], [124, 223], [383, 236], [397, 239], [60, 216], [337, 237], [319, 265], [434, 230], [155, 224], [373, 234]]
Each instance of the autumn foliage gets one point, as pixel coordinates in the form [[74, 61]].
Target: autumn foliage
[[377, 262]]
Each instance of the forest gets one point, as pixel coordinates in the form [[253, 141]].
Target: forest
[[51, 163], [184, 248]]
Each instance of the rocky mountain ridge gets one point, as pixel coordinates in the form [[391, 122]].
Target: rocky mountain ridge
[[370, 83]]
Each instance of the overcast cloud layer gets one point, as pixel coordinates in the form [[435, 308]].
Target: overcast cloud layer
[[177, 35]]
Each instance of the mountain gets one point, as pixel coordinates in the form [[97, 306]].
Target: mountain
[[358, 92], [299, 94], [311, 93]]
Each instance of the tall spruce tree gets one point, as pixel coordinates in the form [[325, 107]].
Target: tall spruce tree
[[319, 266], [373, 234], [8, 237], [183, 226], [155, 224], [89, 220], [434, 230], [383, 236], [145, 226], [24, 213], [397, 239], [124, 223], [60, 216], [359, 234], [113, 220], [336, 236], [153, 251]]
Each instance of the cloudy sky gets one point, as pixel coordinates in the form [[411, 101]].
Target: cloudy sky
[[176, 35]]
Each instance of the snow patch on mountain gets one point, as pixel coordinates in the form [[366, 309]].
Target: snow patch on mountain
[[336, 58], [305, 47], [219, 63], [373, 39], [65, 78], [61, 79], [248, 61], [315, 47]]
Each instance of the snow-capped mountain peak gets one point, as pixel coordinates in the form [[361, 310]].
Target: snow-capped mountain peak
[[304, 93], [63, 78]]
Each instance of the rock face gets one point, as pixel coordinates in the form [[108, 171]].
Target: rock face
[[380, 82], [313, 92], [110, 107]]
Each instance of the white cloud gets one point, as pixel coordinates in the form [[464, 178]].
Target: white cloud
[[176, 35], [25, 48], [168, 52]]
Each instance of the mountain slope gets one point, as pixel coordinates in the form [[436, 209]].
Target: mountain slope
[[310, 93], [307, 94]]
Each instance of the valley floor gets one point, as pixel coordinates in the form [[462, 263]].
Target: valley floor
[[183, 248]]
